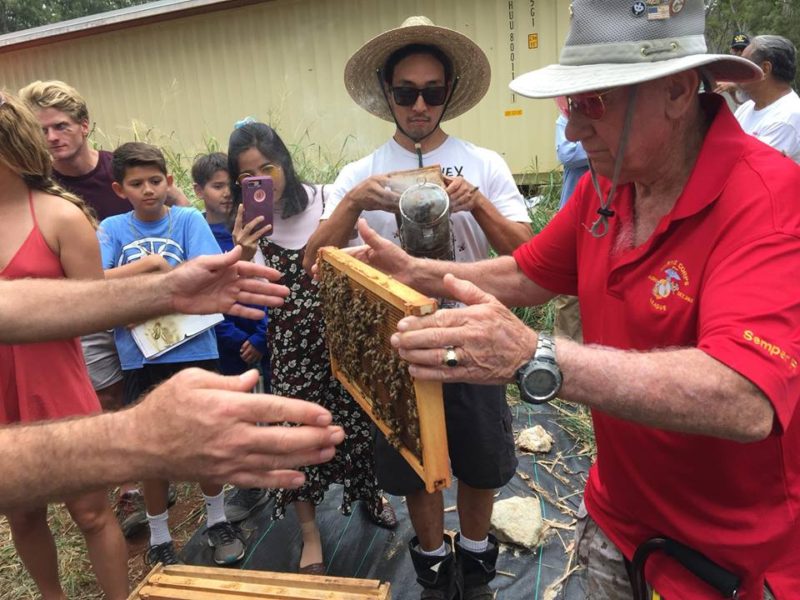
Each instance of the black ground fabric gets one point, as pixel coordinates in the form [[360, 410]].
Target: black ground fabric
[[354, 547]]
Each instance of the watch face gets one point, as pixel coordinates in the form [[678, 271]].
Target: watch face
[[540, 382]]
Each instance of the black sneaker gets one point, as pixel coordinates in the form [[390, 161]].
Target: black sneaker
[[242, 502], [227, 543], [131, 513], [162, 553]]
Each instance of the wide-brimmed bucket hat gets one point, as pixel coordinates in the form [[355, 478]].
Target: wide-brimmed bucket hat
[[614, 43], [470, 66]]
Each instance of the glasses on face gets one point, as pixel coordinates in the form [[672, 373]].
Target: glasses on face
[[591, 105], [407, 95], [267, 169]]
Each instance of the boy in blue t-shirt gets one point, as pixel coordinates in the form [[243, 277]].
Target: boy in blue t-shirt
[[154, 237], [242, 343]]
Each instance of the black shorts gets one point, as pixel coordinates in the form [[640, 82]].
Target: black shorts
[[480, 440], [138, 382]]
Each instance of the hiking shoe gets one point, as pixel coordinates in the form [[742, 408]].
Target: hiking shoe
[[227, 543], [242, 502], [162, 553], [131, 513]]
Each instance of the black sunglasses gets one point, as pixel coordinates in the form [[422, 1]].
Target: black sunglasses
[[407, 96]]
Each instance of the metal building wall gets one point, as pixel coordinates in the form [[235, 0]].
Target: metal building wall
[[282, 61]]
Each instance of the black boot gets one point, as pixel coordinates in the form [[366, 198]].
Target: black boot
[[436, 574], [477, 569]]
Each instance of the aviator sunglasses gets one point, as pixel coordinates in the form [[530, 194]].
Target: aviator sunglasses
[[407, 96], [590, 105]]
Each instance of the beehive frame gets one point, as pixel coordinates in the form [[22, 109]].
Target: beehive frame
[[186, 582], [430, 457]]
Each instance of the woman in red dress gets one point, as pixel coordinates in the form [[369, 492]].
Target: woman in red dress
[[45, 232]]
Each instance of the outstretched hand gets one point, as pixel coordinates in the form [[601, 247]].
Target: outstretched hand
[[490, 342], [380, 253], [206, 426], [223, 283]]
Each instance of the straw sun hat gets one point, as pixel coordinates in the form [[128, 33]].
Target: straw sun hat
[[614, 43], [470, 66]]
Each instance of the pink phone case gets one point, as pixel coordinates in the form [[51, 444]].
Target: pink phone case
[[257, 197]]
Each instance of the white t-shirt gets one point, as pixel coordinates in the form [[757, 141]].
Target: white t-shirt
[[777, 124], [293, 233], [479, 166]]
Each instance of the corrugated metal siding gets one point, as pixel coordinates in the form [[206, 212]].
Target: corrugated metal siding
[[282, 61]]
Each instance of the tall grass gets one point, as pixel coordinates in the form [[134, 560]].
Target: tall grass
[[546, 188]]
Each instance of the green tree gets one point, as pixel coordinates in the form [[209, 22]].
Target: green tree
[[16, 15], [753, 17]]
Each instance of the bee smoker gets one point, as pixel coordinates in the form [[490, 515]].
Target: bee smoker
[[425, 228]]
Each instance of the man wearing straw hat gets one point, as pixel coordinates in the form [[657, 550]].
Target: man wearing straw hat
[[416, 76], [682, 245]]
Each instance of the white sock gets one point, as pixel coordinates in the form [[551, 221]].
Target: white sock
[[159, 528], [472, 545], [440, 551], [215, 509]]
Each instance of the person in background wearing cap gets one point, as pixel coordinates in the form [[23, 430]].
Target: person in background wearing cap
[[739, 42], [682, 247], [417, 76], [772, 113]]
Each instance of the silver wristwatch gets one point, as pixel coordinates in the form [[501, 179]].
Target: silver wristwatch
[[539, 380]]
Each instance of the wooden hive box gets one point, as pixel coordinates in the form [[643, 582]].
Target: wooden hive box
[[185, 582], [362, 306]]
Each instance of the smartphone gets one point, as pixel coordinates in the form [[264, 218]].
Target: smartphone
[[257, 197]]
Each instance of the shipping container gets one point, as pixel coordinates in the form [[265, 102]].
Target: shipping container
[[181, 72]]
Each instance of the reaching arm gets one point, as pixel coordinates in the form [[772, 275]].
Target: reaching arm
[[204, 285], [680, 389], [499, 276], [197, 425]]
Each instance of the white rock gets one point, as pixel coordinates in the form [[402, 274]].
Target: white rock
[[535, 439], [518, 521]]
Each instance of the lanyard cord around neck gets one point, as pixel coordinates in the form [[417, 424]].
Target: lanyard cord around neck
[[417, 142], [135, 231], [600, 227]]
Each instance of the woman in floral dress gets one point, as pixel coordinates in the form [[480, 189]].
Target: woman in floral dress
[[299, 358]]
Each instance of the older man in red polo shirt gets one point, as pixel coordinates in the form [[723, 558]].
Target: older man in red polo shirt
[[683, 245]]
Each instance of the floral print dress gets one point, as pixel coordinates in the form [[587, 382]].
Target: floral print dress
[[301, 369]]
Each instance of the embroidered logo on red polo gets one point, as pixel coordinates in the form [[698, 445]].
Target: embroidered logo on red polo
[[671, 281]]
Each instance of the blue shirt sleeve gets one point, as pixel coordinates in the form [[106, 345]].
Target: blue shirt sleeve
[[229, 337], [108, 243], [199, 239], [259, 338], [570, 154]]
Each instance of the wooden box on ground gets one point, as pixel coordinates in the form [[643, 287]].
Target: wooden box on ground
[[362, 306], [185, 582]]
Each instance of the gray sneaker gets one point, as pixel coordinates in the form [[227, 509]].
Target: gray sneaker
[[243, 502], [162, 553], [227, 543], [131, 513]]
